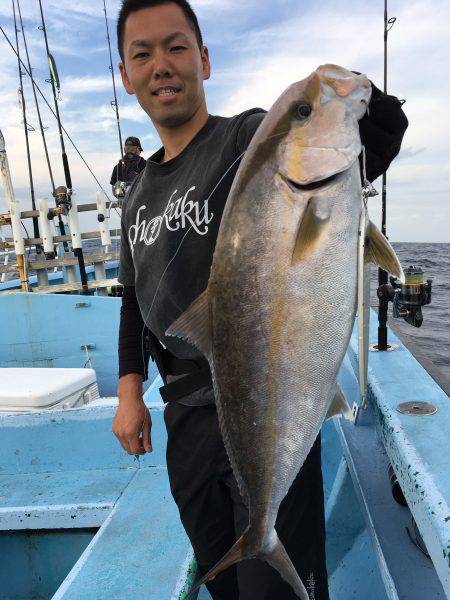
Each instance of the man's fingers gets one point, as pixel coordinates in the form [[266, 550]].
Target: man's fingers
[[132, 426], [146, 432], [124, 443], [135, 445]]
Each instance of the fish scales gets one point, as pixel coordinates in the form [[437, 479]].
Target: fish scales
[[270, 317], [278, 312]]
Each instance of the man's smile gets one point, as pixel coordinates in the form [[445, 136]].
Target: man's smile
[[166, 91]]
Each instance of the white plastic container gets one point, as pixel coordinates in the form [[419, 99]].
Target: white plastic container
[[32, 390]]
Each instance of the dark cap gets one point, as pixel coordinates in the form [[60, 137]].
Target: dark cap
[[133, 141]]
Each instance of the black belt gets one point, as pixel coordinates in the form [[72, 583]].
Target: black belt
[[197, 373], [191, 382]]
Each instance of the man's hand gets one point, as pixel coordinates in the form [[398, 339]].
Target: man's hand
[[132, 423]]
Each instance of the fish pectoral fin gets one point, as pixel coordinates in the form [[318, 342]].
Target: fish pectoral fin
[[194, 325], [380, 252], [314, 222], [340, 406]]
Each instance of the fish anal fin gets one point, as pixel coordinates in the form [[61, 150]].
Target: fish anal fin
[[340, 406], [194, 325], [380, 252], [313, 224]]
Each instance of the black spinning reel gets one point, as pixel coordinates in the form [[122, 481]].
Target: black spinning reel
[[63, 202], [409, 297]]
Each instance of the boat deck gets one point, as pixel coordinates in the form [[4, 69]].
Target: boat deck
[[64, 478], [139, 544]]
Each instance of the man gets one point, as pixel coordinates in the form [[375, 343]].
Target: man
[[129, 167], [164, 267]]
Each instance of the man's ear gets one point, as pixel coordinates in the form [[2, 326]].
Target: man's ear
[[126, 82], [205, 61]]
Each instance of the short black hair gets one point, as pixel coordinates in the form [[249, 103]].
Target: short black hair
[[130, 6]]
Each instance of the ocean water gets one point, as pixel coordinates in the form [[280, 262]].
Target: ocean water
[[429, 343]]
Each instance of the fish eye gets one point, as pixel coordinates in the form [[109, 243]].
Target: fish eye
[[303, 111]]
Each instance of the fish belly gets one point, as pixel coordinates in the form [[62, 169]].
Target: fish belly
[[280, 332]]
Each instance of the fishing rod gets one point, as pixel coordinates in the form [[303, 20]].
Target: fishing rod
[[114, 103], [25, 126], [382, 344], [5, 35], [408, 297], [63, 195], [41, 126]]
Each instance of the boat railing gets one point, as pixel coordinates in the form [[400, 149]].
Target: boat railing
[[52, 251]]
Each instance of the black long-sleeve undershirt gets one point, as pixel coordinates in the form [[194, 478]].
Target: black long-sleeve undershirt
[[133, 354]]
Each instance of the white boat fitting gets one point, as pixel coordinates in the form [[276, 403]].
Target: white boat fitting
[[37, 389]]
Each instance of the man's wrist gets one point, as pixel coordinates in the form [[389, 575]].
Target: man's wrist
[[130, 387]]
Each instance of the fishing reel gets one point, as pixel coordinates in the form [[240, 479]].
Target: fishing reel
[[63, 202], [409, 297], [120, 189]]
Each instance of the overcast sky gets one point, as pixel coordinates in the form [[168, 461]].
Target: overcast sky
[[257, 49]]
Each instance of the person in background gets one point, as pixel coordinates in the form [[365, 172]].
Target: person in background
[[128, 167]]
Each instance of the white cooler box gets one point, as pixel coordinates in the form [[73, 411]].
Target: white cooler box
[[31, 390]]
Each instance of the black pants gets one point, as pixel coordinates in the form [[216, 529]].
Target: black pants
[[214, 516]]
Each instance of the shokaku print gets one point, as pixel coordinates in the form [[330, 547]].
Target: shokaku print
[[179, 213]]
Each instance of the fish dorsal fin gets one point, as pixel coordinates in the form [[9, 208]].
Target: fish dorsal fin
[[380, 252], [339, 405], [194, 325], [312, 225]]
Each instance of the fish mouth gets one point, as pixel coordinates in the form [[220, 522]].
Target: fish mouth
[[307, 187]]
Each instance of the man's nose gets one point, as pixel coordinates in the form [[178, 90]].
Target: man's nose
[[162, 66]]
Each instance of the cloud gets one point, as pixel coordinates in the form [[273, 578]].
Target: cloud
[[257, 50], [267, 59], [409, 152], [88, 84], [133, 112]]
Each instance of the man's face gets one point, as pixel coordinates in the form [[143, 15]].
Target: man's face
[[163, 64], [133, 149]]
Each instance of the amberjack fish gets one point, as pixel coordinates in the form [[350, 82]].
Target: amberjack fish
[[277, 315]]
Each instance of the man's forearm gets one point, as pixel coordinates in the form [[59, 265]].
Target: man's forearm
[[133, 355]]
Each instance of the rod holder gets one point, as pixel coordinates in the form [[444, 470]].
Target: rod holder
[[16, 225], [45, 227], [72, 218], [103, 220]]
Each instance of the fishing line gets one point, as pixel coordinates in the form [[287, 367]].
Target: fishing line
[[114, 103], [28, 236], [185, 235], [108, 197], [26, 130], [38, 110], [54, 114]]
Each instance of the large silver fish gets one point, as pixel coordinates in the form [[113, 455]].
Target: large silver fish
[[278, 312]]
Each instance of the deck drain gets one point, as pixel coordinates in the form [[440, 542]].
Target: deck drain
[[416, 408]]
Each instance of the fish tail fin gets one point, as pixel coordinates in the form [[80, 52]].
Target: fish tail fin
[[236, 553], [273, 553], [278, 558]]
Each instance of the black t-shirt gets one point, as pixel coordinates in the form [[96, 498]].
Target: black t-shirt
[[170, 222], [194, 174], [128, 169]]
